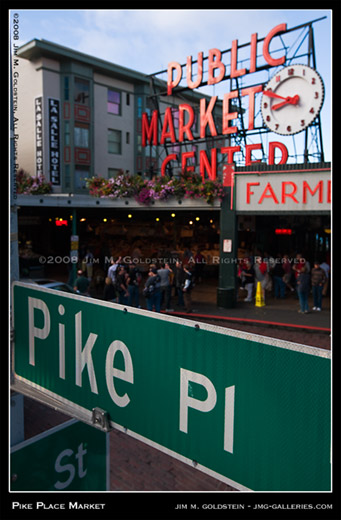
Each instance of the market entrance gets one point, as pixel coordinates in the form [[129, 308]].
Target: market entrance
[[148, 236], [266, 235], [140, 236]]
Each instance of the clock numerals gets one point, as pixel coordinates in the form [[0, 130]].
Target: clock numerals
[[292, 87]]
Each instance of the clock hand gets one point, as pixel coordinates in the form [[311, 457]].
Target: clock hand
[[288, 101], [272, 94]]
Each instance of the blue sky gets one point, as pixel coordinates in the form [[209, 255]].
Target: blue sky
[[147, 40]]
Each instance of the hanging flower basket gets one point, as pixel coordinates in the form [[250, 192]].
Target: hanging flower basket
[[188, 186], [28, 185]]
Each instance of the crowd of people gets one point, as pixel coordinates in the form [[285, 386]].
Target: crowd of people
[[125, 284], [163, 282], [283, 274]]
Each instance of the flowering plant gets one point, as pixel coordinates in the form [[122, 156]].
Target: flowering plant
[[28, 185], [123, 185], [188, 185]]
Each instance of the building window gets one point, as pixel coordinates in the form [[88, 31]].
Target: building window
[[139, 107], [81, 173], [66, 88], [127, 137], [82, 89], [81, 136], [128, 98], [67, 133], [139, 144], [67, 179], [114, 102], [151, 151], [114, 141], [113, 172]]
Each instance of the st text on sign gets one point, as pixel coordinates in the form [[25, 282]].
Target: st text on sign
[[70, 457]]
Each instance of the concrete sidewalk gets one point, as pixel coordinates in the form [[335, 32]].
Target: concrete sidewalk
[[276, 312]]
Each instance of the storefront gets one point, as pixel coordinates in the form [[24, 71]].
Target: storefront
[[285, 211], [266, 212], [270, 210], [141, 235]]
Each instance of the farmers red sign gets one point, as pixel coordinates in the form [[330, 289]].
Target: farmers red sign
[[274, 192]]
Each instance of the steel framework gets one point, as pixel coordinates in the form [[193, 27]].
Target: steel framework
[[312, 144]]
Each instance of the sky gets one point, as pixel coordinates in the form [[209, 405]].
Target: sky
[[147, 40]]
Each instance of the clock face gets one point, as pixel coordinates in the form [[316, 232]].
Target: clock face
[[292, 99]]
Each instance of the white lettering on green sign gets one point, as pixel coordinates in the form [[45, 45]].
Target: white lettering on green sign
[[61, 468], [83, 354], [83, 358], [186, 402]]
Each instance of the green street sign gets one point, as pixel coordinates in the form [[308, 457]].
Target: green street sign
[[253, 411], [70, 457]]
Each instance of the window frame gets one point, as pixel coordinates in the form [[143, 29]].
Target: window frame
[[118, 142], [118, 104]]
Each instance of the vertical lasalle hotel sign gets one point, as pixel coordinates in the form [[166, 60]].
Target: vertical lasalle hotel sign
[[53, 132], [291, 101]]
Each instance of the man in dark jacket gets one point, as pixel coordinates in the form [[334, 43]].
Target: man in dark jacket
[[179, 281], [82, 283], [277, 274], [303, 288], [318, 279]]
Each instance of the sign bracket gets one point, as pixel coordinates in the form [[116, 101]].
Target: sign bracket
[[100, 419]]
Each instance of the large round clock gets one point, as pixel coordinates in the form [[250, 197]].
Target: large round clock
[[292, 99]]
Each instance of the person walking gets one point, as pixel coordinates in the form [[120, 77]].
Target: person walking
[[299, 263], [326, 267], [112, 271], [318, 279], [82, 283], [287, 272], [278, 274], [179, 280], [249, 274], [109, 292], [152, 291], [303, 288], [165, 272], [187, 289], [88, 262], [133, 282], [122, 286], [260, 273], [200, 262]]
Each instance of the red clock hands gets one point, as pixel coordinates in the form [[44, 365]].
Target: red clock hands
[[272, 94], [289, 100]]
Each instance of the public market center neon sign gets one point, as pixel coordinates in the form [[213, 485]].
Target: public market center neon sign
[[216, 73]]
